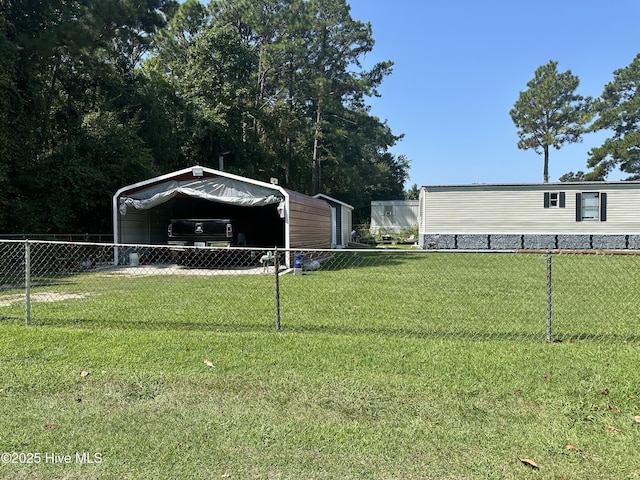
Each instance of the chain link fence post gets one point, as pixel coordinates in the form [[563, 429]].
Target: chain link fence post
[[27, 282], [276, 267], [549, 291]]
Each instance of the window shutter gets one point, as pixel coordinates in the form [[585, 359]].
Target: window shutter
[[546, 199], [562, 200], [603, 207], [578, 207]]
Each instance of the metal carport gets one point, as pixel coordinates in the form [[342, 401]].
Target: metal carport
[[277, 216]]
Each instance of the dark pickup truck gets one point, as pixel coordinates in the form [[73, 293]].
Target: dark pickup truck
[[212, 235], [201, 232]]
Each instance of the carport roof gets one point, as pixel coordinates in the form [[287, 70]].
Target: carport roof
[[198, 182]]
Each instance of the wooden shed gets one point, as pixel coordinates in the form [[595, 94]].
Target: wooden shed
[[270, 215], [341, 221], [548, 215]]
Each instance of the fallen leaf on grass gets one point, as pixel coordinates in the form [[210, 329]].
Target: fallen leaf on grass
[[611, 428], [636, 419], [529, 463], [50, 425], [605, 392], [208, 363], [84, 373], [613, 409], [573, 448]]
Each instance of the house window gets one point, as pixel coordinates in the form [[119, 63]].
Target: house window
[[591, 206], [388, 210], [554, 200]]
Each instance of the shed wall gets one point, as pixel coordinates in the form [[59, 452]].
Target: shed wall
[[342, 221], [309, 222], [134, 227], [347, 225]]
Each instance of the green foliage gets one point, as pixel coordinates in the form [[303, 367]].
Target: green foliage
[[279, 85], [413, 193], [73, 184], [578, 176], [618, 111], [97, 95], [581, 176], [550, 113], [409, 233], [74, 108]]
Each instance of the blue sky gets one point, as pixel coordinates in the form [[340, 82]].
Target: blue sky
[[460, 65]]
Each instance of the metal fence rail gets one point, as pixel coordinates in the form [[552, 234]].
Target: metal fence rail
[[552, 296]]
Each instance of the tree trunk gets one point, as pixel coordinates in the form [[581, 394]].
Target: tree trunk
[[546, 164], [315, 163], [287, 166], [44, 126]]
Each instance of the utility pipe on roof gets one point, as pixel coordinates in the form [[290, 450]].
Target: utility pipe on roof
[[221, 160]]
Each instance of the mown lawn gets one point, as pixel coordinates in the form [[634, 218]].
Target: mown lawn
[[394, 369]]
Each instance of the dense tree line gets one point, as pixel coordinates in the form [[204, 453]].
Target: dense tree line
[[98, 95]]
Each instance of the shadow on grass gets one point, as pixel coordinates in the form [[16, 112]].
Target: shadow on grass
[[332, 330], [369, 259]]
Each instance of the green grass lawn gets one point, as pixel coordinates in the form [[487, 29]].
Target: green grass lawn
[[392, 370]]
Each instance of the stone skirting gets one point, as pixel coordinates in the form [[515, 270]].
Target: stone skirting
[[529, 242]]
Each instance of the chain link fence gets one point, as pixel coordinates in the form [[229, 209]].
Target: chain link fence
[[546, 296]]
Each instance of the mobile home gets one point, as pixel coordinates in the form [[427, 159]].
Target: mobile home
[[393, 216], [580, 215]]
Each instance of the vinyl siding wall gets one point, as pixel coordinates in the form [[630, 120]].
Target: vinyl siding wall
[[393, 216], [520, 209]]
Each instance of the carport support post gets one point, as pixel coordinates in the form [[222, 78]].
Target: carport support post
[[549, 310], [276, 267], [27, 282]]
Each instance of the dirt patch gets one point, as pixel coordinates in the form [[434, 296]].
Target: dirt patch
[[9, 300], [173, 269]]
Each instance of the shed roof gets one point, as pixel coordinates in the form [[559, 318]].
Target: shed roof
[[332, 200]]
